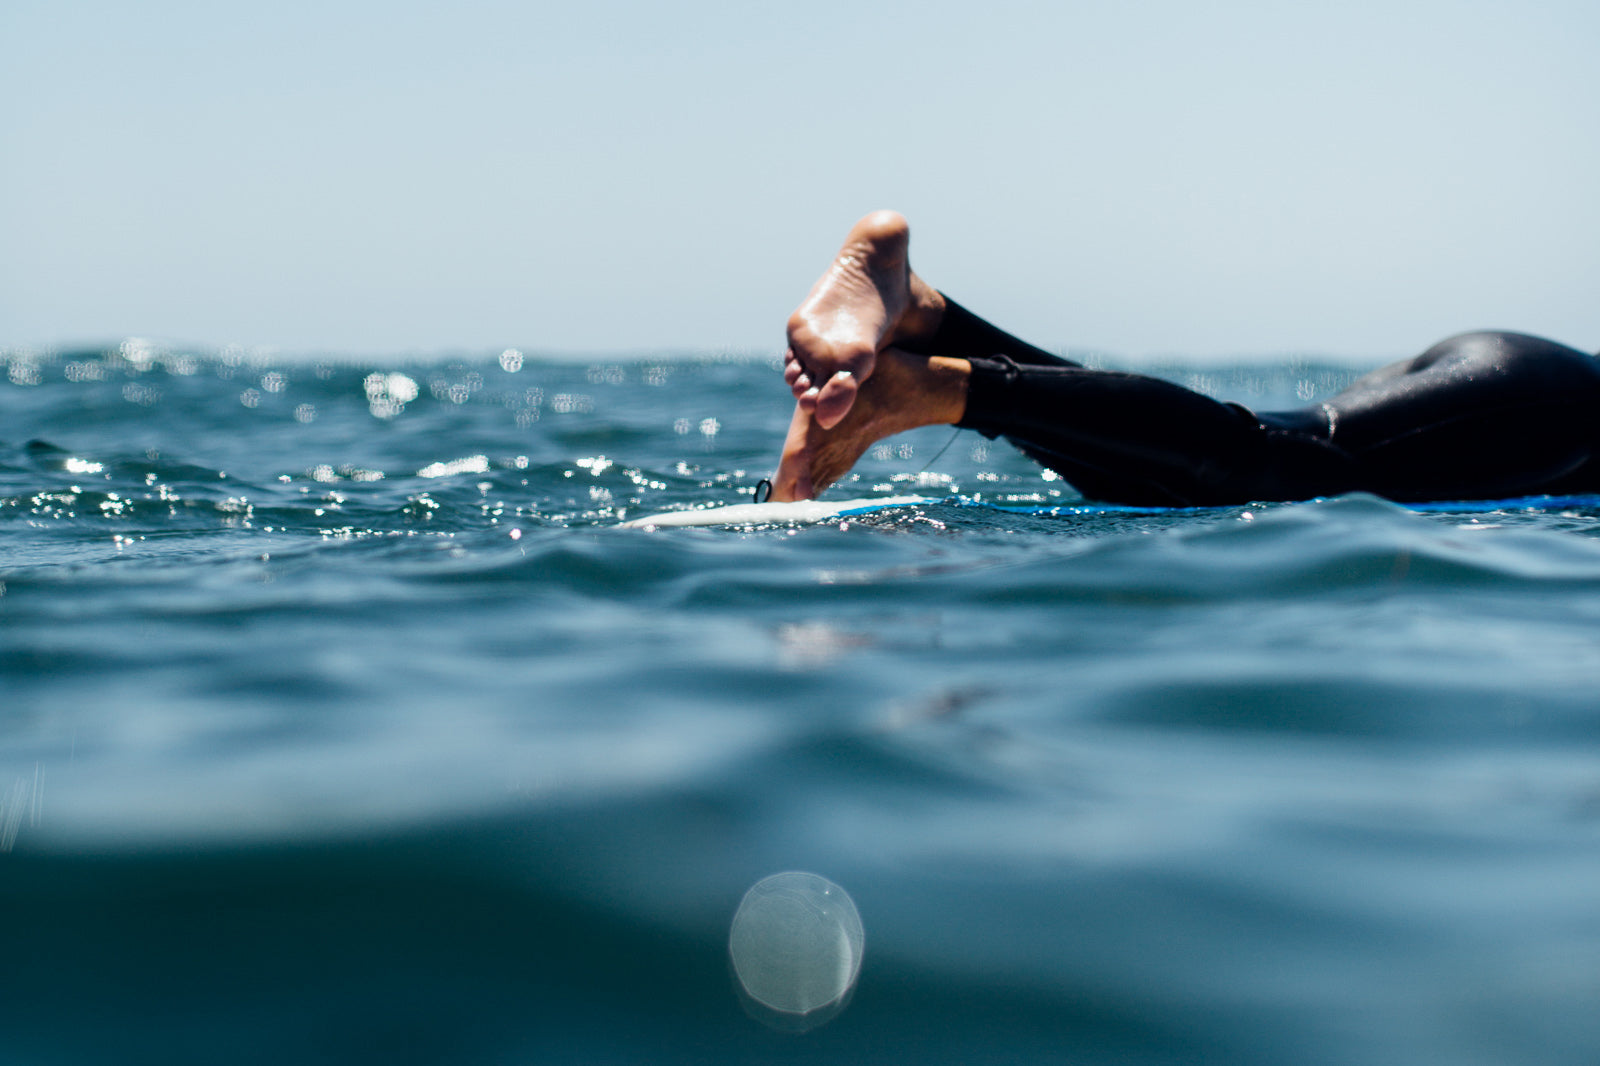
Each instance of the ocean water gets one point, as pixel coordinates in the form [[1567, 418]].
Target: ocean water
[[339, 723]]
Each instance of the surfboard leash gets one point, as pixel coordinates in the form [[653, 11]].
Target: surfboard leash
[[953, 434]]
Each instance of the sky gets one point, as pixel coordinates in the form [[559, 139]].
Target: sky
[[1144, 178]]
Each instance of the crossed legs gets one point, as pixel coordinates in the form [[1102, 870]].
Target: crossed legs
[[874, 350]]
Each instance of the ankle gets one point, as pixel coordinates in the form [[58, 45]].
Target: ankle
[[911, 391], [948, 377], [920, 322]]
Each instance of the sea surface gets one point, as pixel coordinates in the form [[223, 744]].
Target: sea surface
[[340, 723]]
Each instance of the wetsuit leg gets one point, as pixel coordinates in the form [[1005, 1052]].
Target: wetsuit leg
[[1478, 416], [1126, 437], [1140, 440]]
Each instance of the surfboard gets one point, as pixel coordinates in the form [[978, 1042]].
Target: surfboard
[[809, 512], [800, 512]]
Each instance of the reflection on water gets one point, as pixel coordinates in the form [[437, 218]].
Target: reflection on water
[[796, 948]]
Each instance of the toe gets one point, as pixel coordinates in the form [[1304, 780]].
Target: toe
[[835, 399], [795, 374]]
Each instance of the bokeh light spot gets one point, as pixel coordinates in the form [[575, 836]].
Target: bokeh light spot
[[796, 947]]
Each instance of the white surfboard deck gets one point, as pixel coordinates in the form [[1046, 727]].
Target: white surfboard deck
[[774, 514]]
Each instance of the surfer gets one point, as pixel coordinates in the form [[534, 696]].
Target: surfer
[[875, 350]]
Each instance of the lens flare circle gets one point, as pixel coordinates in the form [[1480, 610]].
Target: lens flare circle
[[796, 945]]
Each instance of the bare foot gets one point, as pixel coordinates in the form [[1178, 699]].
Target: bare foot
[[906, 391], [867, 300]]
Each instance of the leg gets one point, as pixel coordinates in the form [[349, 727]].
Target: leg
[[1128, 438], [1114, 436], [1476, 417], [1118, 437]]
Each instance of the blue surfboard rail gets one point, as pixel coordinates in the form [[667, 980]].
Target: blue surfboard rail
[[760, 514], [1514, 503]]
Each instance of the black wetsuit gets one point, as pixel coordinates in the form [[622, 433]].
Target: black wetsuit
[[1479, 416]]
